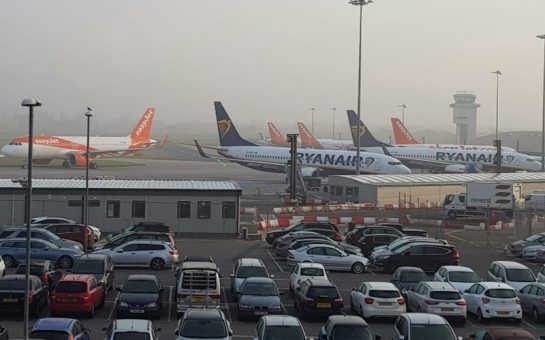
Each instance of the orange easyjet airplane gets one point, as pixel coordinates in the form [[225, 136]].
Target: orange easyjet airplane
[[72, 148]]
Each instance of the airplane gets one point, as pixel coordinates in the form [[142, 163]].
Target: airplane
[[72, 149], [440, 159], [235, 149], [309, 141]]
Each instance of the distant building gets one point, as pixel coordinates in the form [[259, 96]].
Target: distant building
[[464, 115]]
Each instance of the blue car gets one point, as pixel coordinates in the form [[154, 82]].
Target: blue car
[[59, 329], [13, 250]]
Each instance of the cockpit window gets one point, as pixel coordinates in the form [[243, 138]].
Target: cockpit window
[[529, 160], [394, 163], [15, 143]]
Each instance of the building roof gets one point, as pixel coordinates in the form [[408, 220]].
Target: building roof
[[136, 184], [445, 179]]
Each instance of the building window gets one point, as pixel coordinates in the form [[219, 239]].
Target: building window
[[332, 189], [94, 203], [204, 209], [338, 191], [229, 210], [138, 209], [184, 209], [75, 203], [112, 209]]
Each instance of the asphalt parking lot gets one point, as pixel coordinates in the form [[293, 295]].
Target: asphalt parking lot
[[226, 252]]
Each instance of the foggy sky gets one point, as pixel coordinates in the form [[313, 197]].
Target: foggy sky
[[273, 60]]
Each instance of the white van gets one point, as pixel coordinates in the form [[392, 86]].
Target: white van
[[198, 286], [534, 202], [454, 205]]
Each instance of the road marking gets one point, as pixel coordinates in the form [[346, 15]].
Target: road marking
[[372, 272], [170, 301], [471, 323], [276, 263], [113, 308], [529, 325], [226, 304]]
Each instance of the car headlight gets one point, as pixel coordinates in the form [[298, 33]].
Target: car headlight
[[123, 304], [151, 305]]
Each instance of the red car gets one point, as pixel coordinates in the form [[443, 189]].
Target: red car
[[74, 232], [78, 293], [502, 333]]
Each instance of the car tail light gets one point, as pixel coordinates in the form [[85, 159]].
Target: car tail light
[[455, 254], [44, 277], [369, 301], [517, 301], [432, 303], [485, 300], [173, 252], [543, 301], [338, 301], [461, 303], [401, 301], [215, 297]]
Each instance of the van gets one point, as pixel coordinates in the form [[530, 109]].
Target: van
[[454, 205], [534, 201], [197, 286]]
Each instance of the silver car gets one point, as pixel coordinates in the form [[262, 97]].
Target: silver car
[[259, 296], [203, 324], [143, 253], [279, 327], [531, 300], [437, 298], [330, 257]]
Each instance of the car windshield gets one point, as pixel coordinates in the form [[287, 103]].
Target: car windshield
[[71, 287], [203, 329], [34, 270], [385, 294], [140, 286], [323, 292], [413, 277], [262, 289], [284, 333], [426, 332], [245, 272], [51, 235], [312, 272], [50, 335], [533, 238], [520, 275], [445, 295], [342, 332], [13, 285], [464, 277], [88, 267], [501, 293], [131, 336]]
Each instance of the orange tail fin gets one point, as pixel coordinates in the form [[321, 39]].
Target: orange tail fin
[[276, 137], [307, 139], [401, 134], [142, 131]]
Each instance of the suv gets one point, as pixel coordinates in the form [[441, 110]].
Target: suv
[[100, 265], [39, 233], [131, 328], [120, 239], [319, 297], [409, 326], [77, 293], [44, 270], [357, 233], [368, 242], [303, 225], [203, 324], [429, 257], [245, 268], [143, 253], [513, 273]]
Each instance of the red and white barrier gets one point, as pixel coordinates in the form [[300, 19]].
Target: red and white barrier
[[248, 211], [354, 206], [287, 220]]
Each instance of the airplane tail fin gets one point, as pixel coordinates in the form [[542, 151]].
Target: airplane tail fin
[[365, 137], [227, 132], [276, 137], [307, 139], [142, 131], [401, 133]]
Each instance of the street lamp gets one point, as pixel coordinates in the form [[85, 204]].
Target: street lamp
[[88, 114], [312, 122], [403, 107], [334, 109], [498, 74], [30, 103], [359, 3], [542, 36]]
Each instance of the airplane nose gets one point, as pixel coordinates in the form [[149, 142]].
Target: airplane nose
[[5, 150], [404, 170]]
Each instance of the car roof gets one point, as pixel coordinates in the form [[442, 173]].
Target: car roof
[[381, 285], [510, 332], [494, 284], [438, 285], [140, 241], [142, 277], [204, 314], [92, 256], [134, 325], [311, 265], [259, 280], [77, 278], [457, 269], [199, 265], [250, 262], [52, 324], [410, 269], [281, 320], [347, 320], [425, 318], [320, 282], [18, 277], [511, 264]]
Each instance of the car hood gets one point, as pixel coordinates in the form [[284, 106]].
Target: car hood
[[519, 243], [137, 298], [256, 300], [70, 244]]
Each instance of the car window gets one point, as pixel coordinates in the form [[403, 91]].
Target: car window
[[251, 271], [533, 290], [418, 250], [332, 252], [37, 245], [203, 328], [150, 247], [445, 295], [283, 332], [50, 335], [385, 294], [526, 289], [71, 287], [431, 250], [463, 276], [413, 276], [520, 275], [140, 286], [540, 292], [323, 292], [130, 247], [316, 251], [312, 272], [425, 331], [500, 293], [259, 289], [88, 267]]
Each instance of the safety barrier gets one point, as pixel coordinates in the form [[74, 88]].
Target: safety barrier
[[285, 221], [354, 206]]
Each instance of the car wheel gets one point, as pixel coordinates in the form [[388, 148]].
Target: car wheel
[[157, 264], [480, 316], [535, 315], [9, 261], [65, 262], [358, 268]]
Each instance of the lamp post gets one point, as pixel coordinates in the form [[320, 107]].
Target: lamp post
[[403, 107], [334, 109], [30, 103], [312, 121], [542, 36], [359, 3], [88, 114], [498, 74]]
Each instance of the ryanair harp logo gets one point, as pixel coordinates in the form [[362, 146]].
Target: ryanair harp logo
[[354, 129], [224, 126]]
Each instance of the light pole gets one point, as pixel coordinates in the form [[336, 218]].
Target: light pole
[[498, 74], [30, 103], [88, 114], [542, 36], [334, 109], [359, 3], [312, 121], [403, 107]]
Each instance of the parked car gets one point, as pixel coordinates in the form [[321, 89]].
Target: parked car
[[405, 278], [532, 298], [143, 253], [401, 242], [347, 248], [197, 286], [79, 294], [141, 295], [459, 277], [368, 242], [44, 270], [156, 227], [437, 298], [259, 296], [416, 326], [4, 334], [245, 268], [203, 324], [371, 299], [501, 334], [530, 253], [317, 297], [307, 270], [284, 241], [59, 328], [121, 239], [331, 257], [74, 232], [136, 329], [428, 256], [279, 327], [357, 233], [12, 294], [99, 265], [303, 225], [536, 239], [13, 250], [39, 233], [513, 273], [340, 327], [489, 300], [405, 230], [45, 220]]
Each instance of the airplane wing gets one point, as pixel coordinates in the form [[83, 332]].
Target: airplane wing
[[125, 152]]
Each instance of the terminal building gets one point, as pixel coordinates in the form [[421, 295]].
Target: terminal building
[[190, 208]]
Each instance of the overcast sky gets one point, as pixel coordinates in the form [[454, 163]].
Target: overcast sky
[[273, 60]]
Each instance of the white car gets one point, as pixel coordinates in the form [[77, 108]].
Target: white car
[[303, 271], [493, 300], [459, 277], [377, 299], [330, 257], [530, 253], [513, 273], [131, 328], [437, 298]]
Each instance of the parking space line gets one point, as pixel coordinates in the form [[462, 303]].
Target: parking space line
[[113, 308], [471, 323], [170, 301], [226, 304], [528, 324], [275, 262]]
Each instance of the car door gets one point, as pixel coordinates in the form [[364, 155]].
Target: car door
[[412, 257], [411, 296], [525, 296], [42, 251], [470, 297], [358, 295], [124, 255], [317, 254], [337, 259]]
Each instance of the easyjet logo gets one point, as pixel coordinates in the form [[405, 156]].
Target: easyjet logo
[[47, 141], [404, 131], [147, 116], [224, 126]]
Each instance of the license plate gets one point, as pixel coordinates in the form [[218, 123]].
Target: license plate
[[10, 299], [447, 309], [137, 311], [69, 300], [197, 299], [503, 313], [384, 303], [324, 305], [260, 312]]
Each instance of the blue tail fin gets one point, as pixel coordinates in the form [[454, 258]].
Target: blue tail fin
[[366, 138], [227, 132]]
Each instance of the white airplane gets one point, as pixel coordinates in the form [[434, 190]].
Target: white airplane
[[309, 141], [441, 159], [234, 148], [72, 148]]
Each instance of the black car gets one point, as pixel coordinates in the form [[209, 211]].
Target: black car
[[317, 297], [45, 270], [303, 225], [405, 278], [427, 256], [99, 265], [405, 230], [156, 227], [368, 242], [12, 294], [141, 296], [357, 233], [341, 327]]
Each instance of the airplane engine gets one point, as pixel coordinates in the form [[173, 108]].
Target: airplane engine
[[463, 168], [77, 161], [309, 172]]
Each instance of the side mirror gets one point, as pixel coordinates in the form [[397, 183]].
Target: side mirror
[[159, 329], [271, 276], [378, 337], [118, 289], [176, 332]]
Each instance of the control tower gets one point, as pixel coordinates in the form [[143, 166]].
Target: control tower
[[464, 115]]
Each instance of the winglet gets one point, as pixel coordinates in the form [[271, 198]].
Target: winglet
[[307, 139], [401, 133], [200, 150]]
